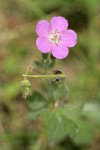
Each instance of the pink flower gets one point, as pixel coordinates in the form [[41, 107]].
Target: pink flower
[[55, 37]]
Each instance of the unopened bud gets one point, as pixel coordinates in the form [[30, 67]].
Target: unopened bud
[[57, 72], [57, 80], [26, 88]]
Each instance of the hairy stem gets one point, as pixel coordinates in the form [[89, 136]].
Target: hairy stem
[[44, 76]]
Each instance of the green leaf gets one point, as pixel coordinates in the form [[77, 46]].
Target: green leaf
[[39, 64], [51, 65], [59, 92], [88, 124], [74, 110], [86, 130], [55, 91], [34, 114], [36, 101], [57, 125]]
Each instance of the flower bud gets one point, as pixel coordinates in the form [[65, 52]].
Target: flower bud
[[57, 80], [57, 72], [26, 88]]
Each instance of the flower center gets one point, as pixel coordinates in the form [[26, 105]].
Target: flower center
[[55, 37]]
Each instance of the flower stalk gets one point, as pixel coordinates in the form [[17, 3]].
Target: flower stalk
[[44, 76]]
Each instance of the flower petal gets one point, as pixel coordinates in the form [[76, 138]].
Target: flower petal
[[43, 28], [59, 23], [60, 51], [43, 45], [69, 37]]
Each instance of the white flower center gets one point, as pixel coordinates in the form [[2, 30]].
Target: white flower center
[[55, 37]]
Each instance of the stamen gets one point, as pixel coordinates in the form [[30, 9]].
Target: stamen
[[55, 37]]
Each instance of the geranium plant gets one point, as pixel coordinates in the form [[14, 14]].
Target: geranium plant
[[55, 114]]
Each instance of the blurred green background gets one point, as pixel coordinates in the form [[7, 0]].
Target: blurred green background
[[18, 19]]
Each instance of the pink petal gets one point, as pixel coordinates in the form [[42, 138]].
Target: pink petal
[[59, 23], [69, 37], [43, 45], [43, 28], [60, 51]]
